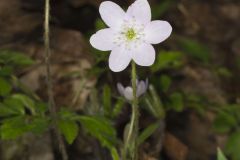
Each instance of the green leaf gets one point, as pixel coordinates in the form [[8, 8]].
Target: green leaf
[[69, 130], [68, 115], [233, 145], [26, 101], [6, 111], [13, 128], [167, 60], [107, 100], [177, 102], [6, 71], [99, 24], [195, 49], [224, 122], [147, 133], [99, 128], [154, 103], [165, 82], [196, 102], [41, 108], [5, 87], [220, 155], [15, 105], [39, 125], [15, 58], [118, 108], [126, 137], [114, 154], [23, 88]]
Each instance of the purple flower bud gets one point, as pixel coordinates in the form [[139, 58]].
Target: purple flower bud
[[127, 92]]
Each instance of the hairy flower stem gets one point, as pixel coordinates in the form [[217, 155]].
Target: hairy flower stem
[[131, 141], [135, 112], [130, 151], [51, 102]]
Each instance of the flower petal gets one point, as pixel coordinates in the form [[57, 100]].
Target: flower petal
[[119, 59], [128, 93], [140, 10], [157, 31], [137, 81], [111, 13], [144, 55], [103, 40], [120, 88], [141, 88]]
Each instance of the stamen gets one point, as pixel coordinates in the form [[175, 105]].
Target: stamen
[[130, 34]]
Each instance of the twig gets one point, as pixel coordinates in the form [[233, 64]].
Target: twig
[[51, 102]]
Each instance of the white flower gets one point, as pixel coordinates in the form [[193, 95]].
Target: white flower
[[128, 91], [130, 34]]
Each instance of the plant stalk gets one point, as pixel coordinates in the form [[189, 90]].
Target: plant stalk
[[130, 151], [51, 101], [135, 113]]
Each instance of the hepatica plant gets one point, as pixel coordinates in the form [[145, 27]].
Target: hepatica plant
[[130, 37], [130, 34]]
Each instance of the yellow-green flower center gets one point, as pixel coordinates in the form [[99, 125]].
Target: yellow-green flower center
[[130, 34]]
